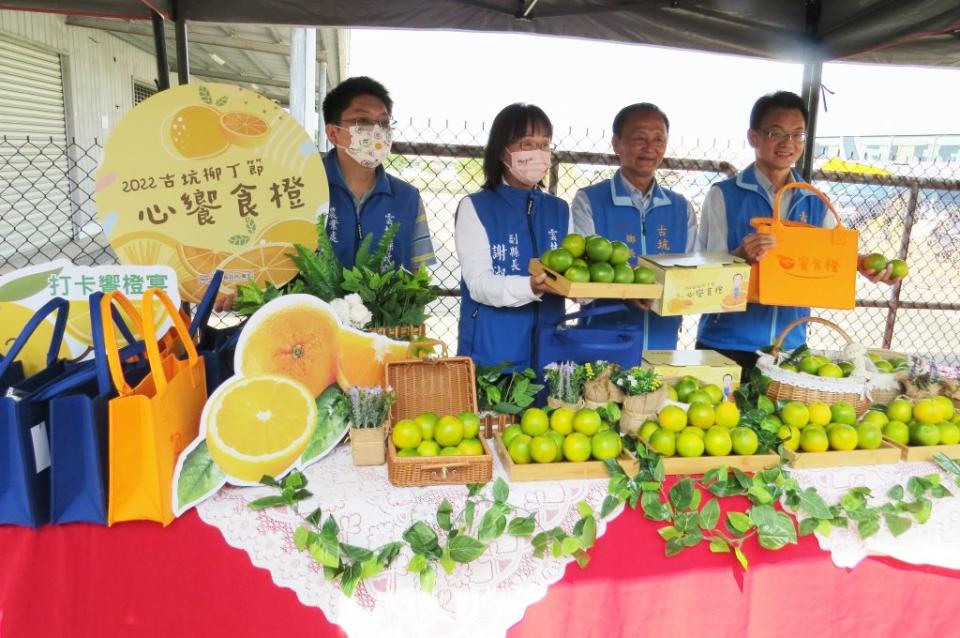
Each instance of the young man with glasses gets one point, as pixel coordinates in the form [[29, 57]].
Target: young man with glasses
[[633, 208], [777, 132], [364, 199]]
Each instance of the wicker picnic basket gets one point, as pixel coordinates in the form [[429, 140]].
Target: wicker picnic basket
[[445, 386], [496, 422], [883, 386], [786, 385], [401, 333]]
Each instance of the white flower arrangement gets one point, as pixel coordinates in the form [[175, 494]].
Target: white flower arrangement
[[351, 311]]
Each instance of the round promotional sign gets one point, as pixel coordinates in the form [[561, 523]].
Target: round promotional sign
[[203, 177]]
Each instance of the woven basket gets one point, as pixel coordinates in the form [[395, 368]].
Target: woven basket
[[786, 385], [366, 445], [401, 333], [445, 386], [494, 423]]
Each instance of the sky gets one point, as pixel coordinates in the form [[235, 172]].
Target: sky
[[581, 84]]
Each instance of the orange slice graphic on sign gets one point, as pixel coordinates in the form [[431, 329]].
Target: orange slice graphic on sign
[[244, 129], [262, 264]]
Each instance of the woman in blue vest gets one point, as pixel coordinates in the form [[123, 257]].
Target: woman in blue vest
[[499, 230], [633, 208]]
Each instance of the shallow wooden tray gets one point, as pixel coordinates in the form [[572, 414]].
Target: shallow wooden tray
[[559, 471], [684, 465], [592, 290], [883, 455], [916, 453]]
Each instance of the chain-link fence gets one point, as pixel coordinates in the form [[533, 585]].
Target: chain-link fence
[[911, 211]]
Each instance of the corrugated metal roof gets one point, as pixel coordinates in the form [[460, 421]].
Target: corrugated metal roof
[[253, 56]]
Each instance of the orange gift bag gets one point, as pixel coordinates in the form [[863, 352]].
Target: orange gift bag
[[810, 265], [149, 425]]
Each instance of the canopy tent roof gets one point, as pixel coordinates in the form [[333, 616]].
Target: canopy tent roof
[[916, 32]]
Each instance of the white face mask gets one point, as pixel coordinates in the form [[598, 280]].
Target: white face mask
[[530, 167], [369, 145]]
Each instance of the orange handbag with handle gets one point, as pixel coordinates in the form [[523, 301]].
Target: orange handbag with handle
[[150, 424], [810, 265]]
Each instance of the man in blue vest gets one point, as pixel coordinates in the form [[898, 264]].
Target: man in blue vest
[[364, 199], [777, 132], [633, 208]]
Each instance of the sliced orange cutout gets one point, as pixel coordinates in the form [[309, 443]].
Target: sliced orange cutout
[[362, 357], [294, 336], [258, 426]]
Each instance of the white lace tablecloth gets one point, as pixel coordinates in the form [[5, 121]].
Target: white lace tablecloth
[[933, 543], [481, 599]]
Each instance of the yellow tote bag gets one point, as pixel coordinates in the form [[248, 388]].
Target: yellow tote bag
[[150, 425], [810, 265]]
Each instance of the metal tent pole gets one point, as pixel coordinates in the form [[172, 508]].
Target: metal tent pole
[[812, 71], [160, 46], [183, 58]]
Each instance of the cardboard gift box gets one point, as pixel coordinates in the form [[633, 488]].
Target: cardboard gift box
[[699, 283]]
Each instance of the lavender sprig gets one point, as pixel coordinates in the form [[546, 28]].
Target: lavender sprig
[[369, 407]]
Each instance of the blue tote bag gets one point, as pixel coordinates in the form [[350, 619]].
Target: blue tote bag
[[24, 446], [619, 343], [215, 345], [77, 419]]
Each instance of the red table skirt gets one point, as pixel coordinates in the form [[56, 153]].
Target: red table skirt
[[140, 580]]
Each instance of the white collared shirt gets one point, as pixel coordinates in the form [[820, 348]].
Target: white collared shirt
[[476, 264], [582, 211]]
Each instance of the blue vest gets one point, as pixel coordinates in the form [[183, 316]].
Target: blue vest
[[391, 201], [520, 225], [759, 325], [662, 228]]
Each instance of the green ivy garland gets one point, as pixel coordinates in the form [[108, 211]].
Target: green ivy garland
[[464, 536]]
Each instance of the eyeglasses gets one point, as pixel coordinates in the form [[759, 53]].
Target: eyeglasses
[[527, 145], [363, 122], [779, 135]]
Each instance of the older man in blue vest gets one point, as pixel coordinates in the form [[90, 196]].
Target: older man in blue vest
[[633, 208]]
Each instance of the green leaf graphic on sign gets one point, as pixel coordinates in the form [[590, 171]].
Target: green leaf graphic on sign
[[205, 95], [199, 477], [28, 286], [332, 424], [239, 240], [251, 225]]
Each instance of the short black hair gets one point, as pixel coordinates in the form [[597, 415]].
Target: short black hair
[[778, 100], [338, 100], [639, 107], [510, 125]]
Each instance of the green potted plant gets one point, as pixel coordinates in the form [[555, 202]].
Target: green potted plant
[[565, 384], [599, 388], [369, 413], [502, 395], [396, 298], [643, 391]]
